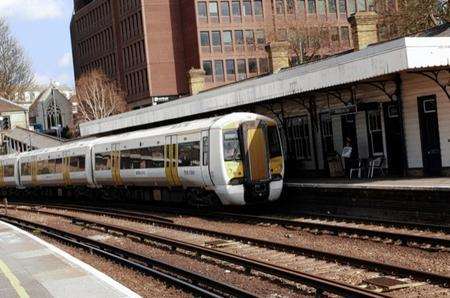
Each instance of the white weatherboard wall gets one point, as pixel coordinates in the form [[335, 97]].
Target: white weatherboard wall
[[415, 86]]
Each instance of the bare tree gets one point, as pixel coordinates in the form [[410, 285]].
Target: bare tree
[[412, 16], [98, 97], [307, 43], [15, 70]]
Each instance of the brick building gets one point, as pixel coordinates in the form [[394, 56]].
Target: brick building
[[150, 46]]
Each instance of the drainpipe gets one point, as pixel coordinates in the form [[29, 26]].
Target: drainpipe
[[399, 95]]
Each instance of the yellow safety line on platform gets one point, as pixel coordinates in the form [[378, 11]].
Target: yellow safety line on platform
[[15, 283]]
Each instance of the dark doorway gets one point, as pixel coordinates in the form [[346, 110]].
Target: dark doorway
[[394, 140], [349, 133], [429, 135]]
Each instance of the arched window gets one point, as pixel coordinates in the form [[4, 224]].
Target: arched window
[[54, 117]]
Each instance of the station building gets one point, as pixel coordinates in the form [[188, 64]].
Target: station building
[[388, 99]]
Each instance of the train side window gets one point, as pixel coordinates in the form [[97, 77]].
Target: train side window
[[189, 154], [77, 163], [205, 151], [102, 161], [274, 142], [25, 169], [42, 167], [153, 157], [231, 147], [58, 165], [8, 171]]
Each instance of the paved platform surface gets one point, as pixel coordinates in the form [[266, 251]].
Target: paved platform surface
[[31, 267], [424, 184]]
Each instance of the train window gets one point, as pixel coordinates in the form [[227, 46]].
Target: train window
[[144, 158], [231, 148], [205, 151], [25, 169], [43, 168], [58, 165], [274, 142], [77, 163], [153, 157], [8, 171], [189, 154], [102, 162]]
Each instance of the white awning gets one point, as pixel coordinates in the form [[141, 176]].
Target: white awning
[[376, 60]]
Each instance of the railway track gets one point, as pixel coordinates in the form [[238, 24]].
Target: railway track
[[421, 236], [305, 258], [181, 278]]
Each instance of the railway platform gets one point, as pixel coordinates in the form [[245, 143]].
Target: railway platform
[[422, 200], [31, 267]]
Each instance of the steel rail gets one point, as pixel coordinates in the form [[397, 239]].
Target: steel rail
[[318, 254], [322, 284], [184, 279]]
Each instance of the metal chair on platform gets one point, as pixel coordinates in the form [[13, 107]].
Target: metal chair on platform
[[358, 167], [376, 164]]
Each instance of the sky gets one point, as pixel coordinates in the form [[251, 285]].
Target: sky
[[42, 27]]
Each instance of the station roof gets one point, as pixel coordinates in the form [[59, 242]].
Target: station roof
[[33, 138], [409, 53]]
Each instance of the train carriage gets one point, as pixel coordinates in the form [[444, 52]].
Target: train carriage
[[234, 159]]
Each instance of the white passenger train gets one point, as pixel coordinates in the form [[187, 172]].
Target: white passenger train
[[234, 159]]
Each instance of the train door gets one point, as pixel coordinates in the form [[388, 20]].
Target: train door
[[171, 161], [256, 151], [205, 158], [115, 164], [189, 160]]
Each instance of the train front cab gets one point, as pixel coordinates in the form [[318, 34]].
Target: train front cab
[[253, 162]]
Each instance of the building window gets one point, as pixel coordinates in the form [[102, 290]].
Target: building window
[[371, 4], [290, 5], [332, 6], [242, 69], [236, 8], [218, 69], [301, 6], [351, 6], [260, 37], [375, 132], [345, 35], [280, 6], [327, 133], [207, 67], [321, 7], [239, 37], [263, 65], [335, 36], [342, 6], [252, 66], [225, 9], [362, 5], [249, 37], [202, 11], [216, 41], [247, 8], [298, 138], [311, 6], [230, 67], [204, 38], [213, 9], [257, 7], [227, 38]]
